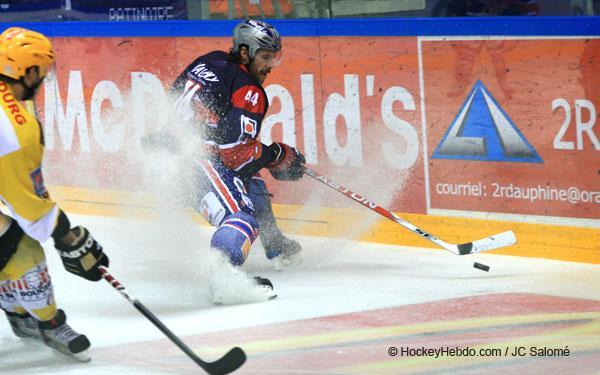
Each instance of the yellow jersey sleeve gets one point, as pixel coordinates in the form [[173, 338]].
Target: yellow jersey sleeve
[[21, 181]]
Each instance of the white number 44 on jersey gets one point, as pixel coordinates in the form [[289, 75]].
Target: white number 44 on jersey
[[251, 98]]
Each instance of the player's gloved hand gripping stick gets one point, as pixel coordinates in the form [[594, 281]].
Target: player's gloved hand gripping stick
[[230, 362], [488, 243]]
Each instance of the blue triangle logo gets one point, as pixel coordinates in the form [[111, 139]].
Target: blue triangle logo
[[483, 131]]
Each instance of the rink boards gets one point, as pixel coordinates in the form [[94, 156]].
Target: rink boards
[[569, 243], [463, 126]]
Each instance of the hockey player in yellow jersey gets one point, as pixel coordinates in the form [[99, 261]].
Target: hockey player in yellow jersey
[[26, 293]]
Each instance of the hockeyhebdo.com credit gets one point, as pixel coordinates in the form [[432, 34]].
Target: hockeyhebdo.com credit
[[507, 351]]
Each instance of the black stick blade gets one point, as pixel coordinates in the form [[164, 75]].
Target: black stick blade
[[230, 362]]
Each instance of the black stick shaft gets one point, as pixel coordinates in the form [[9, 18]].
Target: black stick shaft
[[149, 315], [180, 344]]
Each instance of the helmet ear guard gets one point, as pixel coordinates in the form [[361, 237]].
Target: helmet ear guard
[[21, 49], [255, 35]]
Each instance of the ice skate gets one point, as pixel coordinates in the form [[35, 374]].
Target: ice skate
[[265, 287], [257, 290], [286, 255], [235, 287], [24, 325], [58, 335]]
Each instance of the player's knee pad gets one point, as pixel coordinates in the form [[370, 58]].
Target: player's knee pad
[[212, 209], [235, 236]]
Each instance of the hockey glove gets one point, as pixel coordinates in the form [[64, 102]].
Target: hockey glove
[[83, 257], [288, 164]]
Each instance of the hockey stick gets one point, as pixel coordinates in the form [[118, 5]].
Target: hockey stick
[[226, 364], [488, 243]]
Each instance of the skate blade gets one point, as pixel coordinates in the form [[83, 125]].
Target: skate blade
[[287, 263], [238, 301], [28, 336], [83, 356]]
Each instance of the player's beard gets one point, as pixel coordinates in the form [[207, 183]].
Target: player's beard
[[259, 75], [262, 75]]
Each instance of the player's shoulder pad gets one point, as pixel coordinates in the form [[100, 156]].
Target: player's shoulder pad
[[247, 94], [210, 68], [250, 97]]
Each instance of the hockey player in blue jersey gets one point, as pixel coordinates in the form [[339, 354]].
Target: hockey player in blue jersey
[[221, 94]]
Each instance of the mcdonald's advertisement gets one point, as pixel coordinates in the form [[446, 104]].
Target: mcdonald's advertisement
[[485, 125], [355, 119]]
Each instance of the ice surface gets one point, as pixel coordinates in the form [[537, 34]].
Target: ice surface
[[337, 313]]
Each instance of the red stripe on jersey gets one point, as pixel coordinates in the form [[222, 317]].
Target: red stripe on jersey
[[220, 186], [240, 154], [249, 98]]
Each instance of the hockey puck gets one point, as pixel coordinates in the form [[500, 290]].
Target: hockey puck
[[482, 267]]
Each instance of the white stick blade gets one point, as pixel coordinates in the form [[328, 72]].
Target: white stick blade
[[497, 241]]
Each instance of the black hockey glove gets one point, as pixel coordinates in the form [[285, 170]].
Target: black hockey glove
[[84, 256], [288, 164]]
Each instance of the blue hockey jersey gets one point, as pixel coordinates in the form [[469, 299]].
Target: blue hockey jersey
[[228, 104]]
